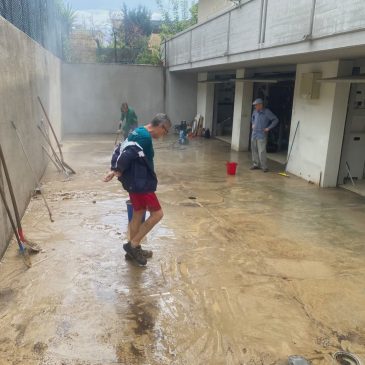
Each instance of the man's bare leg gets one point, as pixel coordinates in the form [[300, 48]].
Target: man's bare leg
[[145, 227], [136, 222]]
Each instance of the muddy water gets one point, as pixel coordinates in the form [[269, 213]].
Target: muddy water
[[246, 270]]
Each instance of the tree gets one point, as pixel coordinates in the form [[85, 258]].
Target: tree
[[136, 24], [176, 16], [68, 17]]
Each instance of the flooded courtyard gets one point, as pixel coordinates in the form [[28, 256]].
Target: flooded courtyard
[[247, 269]]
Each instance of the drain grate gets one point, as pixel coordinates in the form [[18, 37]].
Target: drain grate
[[346, 358]]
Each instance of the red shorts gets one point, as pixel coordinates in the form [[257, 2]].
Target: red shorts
[[145, 201]]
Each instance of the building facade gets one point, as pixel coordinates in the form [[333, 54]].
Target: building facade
[[305, 58]]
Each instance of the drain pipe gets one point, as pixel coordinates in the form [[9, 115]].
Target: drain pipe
[[263, 20], [165, 78], [309, 35]]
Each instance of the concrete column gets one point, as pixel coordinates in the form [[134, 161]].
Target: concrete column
[[337, 127], [317, 147], [242, 113], [205, 100]]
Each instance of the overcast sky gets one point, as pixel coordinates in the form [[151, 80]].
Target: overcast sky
[[110, 4], [96, 13]]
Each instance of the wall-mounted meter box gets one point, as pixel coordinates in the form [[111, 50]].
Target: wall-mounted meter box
[[309, 87]]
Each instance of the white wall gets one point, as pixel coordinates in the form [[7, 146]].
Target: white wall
[[317, 148], [92, 95], [289, 31], [181, 96], [242, 112], [26, 71], [205, 100]]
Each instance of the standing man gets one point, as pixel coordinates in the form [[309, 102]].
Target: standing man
[[263, 120], [132, 163], [129, 118]]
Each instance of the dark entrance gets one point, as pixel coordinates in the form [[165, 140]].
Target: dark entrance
[[224, 92], [278, 97]]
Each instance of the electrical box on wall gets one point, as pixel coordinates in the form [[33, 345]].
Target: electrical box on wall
[[309, 87]]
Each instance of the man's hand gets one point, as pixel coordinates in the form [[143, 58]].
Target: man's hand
[[267, 130], [109, 176]]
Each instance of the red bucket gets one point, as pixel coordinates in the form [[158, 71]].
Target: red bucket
[[231, 168]]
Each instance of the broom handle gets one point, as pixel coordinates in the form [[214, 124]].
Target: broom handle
[[291, 147], [11, 219], [22, 250], [37, 182], [45, 136], [50, 125], [10, 187]]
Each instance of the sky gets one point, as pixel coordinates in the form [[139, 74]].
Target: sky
[[96, 13], [110, 4]]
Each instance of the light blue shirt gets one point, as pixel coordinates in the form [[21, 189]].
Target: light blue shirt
[[261, 120]]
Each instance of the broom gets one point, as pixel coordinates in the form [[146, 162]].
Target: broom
[[284, 173]]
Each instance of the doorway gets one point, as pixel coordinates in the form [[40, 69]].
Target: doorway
[[352, 166], [278, 97], [224, 92]]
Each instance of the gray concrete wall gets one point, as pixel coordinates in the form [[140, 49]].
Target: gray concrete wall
[[181, 96], [92, 95], [280, 30], [26, 71]]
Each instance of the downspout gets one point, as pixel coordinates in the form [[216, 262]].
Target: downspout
[[263, 25], [165, 78], [260, 21], [311, 22]]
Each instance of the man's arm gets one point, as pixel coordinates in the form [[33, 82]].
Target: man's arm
[[109, 176], [273, 120]]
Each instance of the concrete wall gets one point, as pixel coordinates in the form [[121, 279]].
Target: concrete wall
[[209, 8], [205, 100], [26, 71], [181, 96], [317, 147], [242, 112], [92, 95], [260, 30]]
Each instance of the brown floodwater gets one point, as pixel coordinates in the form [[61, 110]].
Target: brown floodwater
[[247, 269]]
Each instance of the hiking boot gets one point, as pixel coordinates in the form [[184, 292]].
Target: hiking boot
[[265, 170], [146, 253], [135, 253], [254, 167]]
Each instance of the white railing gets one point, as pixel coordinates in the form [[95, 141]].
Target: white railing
[[260, 24]]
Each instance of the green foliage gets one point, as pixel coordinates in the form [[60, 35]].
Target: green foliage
[[137, 20], [176, 16], [149, 57], [68, 17], [129, 43]]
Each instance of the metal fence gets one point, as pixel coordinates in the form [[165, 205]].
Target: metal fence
[[39, 19]]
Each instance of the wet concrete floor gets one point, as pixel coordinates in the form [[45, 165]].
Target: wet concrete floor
[[247, 269]]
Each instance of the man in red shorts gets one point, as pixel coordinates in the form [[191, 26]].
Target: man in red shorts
[[132, 163]]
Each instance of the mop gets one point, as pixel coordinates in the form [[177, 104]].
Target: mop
[[284, 173]]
